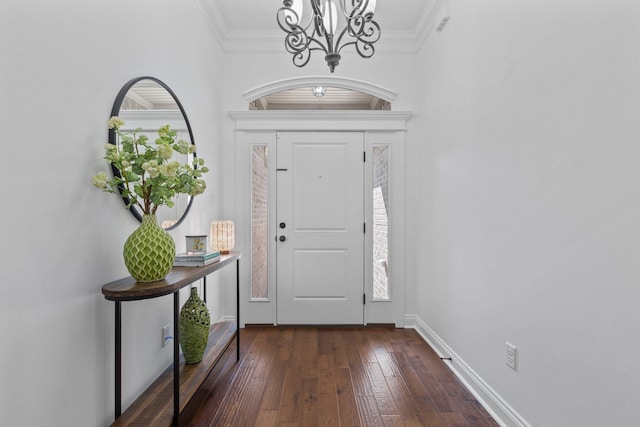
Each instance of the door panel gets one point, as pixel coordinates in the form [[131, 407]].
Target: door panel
[[320, 212], [311, 278]]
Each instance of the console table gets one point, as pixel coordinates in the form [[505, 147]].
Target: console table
[[146, 409]]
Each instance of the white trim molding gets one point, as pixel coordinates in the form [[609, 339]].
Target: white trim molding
[[229, 318], [273, 120], [499, 409]]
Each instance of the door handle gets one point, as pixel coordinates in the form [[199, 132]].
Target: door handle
[[282, 238], [283, 225]]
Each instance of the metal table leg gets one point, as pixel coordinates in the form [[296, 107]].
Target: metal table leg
[[176, 358], [118, 360], [238, 309]]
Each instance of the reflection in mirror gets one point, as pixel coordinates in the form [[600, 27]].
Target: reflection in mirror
[[146, 103]]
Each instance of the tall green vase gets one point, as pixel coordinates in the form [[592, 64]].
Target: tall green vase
[[149, 251], [195, 322]]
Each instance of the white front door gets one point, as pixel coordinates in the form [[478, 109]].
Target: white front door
[[320, 220]]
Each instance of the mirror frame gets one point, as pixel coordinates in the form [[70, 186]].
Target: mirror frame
[[115, 111]]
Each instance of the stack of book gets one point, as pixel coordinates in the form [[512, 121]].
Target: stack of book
[[187, 259]]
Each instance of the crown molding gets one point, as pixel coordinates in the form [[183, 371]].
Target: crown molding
[[427, 22], [212, 15]]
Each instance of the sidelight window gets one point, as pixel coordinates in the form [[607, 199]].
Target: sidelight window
[[380, 222], [259, 223]]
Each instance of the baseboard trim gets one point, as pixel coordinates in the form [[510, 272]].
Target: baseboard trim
[[227, 319], [497, 407]]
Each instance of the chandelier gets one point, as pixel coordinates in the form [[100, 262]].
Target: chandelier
[[321, 32]]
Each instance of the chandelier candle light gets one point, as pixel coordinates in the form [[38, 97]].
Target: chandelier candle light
[[321, 32]]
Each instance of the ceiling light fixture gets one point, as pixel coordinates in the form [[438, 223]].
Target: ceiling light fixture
[[318, 91], [321, 32]]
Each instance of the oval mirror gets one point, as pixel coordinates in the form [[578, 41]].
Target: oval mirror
[[147, 103]]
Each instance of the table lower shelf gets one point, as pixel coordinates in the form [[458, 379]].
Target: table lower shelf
[[154, 407]]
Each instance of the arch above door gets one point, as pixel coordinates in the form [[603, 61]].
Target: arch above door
[[330, 81]]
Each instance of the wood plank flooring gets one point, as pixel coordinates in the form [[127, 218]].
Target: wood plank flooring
[[308, 376]]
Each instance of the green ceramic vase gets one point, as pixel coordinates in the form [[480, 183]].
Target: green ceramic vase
[[194, 328], [149, 251]]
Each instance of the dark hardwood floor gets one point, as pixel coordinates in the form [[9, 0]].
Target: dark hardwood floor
[[333, 376]]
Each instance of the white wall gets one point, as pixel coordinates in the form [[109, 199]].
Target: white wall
[[527, 203], [62, 65]]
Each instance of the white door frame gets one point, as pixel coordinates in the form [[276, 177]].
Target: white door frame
[[379, 127]]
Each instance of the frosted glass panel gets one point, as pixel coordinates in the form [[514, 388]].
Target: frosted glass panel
[[259, 223], [380, 222]]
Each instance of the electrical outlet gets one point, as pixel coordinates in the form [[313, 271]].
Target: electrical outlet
[[165, 335], [510, 355]]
